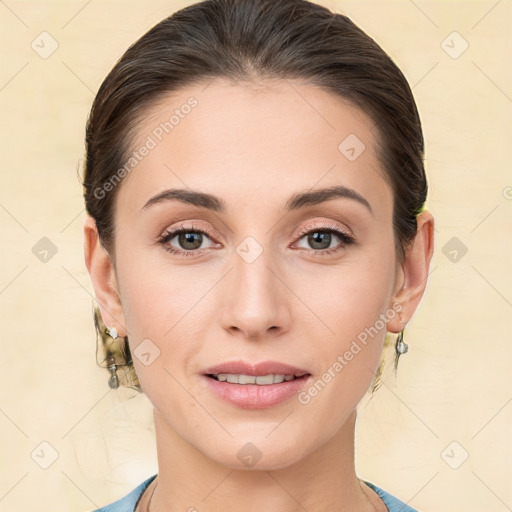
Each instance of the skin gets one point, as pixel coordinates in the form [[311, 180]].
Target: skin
[[254, 146]]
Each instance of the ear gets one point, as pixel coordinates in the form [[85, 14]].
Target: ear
[[412, 276], [102, 272]]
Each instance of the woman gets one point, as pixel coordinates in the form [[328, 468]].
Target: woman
[[255, 193]]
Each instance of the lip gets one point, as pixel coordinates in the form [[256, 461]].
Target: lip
[[261, 368], [254, 396]]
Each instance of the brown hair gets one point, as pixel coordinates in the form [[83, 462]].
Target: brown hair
[[249, 41]]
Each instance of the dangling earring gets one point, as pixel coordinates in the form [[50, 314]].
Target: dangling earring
[[401, 346], [113, 381]]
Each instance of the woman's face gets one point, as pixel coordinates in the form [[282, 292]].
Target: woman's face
[[245, 282]]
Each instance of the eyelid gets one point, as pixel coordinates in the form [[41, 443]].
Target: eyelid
[[319, 225], [185, 226]]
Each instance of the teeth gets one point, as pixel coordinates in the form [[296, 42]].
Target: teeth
[[262, 380], [265, 379]]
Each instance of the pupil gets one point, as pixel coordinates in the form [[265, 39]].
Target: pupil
[[190, 238], [314, 239]]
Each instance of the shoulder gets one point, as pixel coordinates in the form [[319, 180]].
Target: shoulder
[[393, 504], [128, 502]]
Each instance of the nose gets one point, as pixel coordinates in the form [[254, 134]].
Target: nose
[[256, 306]]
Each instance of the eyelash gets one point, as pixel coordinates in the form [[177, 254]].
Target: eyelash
[[167, 236]]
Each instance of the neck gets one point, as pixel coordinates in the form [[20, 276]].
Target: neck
[[324, 480]]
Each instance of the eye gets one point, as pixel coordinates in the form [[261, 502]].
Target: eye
[[188, 241], [320, 239]]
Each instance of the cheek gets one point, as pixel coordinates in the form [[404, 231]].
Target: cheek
[[164, 309], [352, 307], [346, 299], [157, 296]]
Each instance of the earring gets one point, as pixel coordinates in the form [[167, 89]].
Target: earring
[[113, 381], [401, 346], [112, 332]]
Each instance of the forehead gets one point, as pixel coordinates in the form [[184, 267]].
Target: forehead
[[262, 140]]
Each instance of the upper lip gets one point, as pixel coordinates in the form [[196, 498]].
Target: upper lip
[[261, 368]]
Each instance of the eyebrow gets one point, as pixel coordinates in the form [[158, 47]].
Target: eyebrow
[[296, 201]]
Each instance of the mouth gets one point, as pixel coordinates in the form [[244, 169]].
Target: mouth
[[259, 380], [255, 386]]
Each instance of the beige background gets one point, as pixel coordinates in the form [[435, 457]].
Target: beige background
[[454, 385]]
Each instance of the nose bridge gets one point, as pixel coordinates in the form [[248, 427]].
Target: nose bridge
[[255, 301]]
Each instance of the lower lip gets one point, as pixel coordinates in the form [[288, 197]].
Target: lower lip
[[254, 396]]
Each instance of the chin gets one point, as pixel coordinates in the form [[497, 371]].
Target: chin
[[259, 454]]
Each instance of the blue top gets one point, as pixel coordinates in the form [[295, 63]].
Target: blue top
[[129, 502]]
